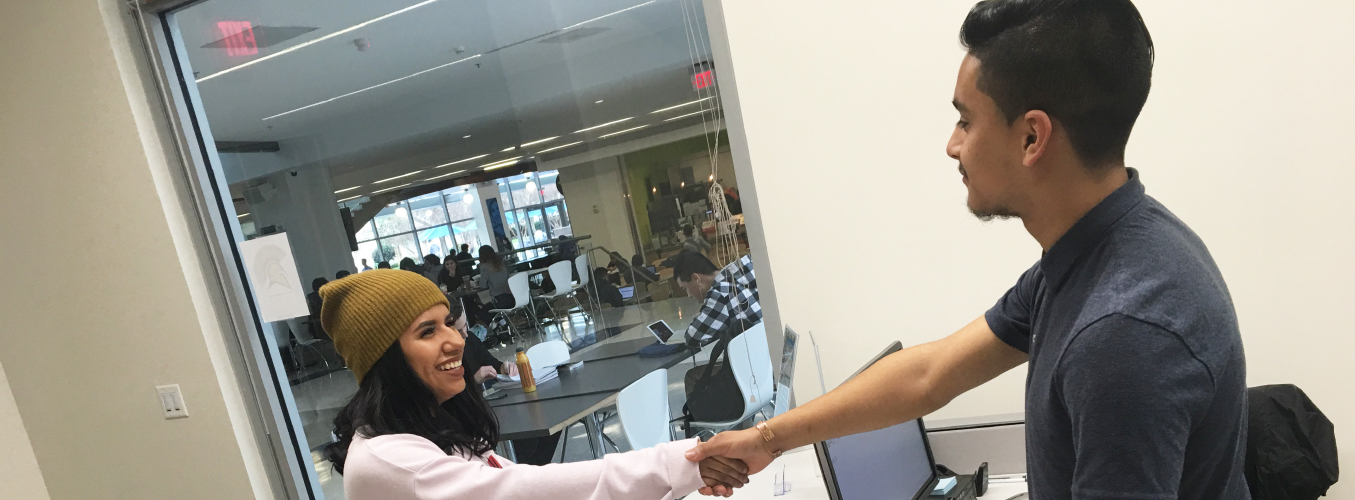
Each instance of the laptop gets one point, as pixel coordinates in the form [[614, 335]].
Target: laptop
[[627, 292], [887, 464]]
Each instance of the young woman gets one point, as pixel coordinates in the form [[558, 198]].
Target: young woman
[[414, 431], [494, 275]]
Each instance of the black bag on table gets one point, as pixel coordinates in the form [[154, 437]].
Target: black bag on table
[[1291, 445]]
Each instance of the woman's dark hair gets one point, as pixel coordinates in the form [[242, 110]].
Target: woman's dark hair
[[1086, 63], [393, 400], [383, 265], [488, 256], [407, 264]]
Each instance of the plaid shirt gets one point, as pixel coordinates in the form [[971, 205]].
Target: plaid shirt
[[731, 305]]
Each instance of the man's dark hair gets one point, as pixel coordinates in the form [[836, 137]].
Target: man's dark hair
[[393, 400], [687, 263], [1086, 63], [385, 264], [465, 247], [343, 273]]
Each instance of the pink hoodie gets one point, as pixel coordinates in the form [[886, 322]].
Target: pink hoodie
[[408, 467]]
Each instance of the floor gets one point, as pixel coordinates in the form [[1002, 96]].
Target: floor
[[324, 386]]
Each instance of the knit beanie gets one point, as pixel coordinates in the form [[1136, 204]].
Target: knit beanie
[[366, 312]]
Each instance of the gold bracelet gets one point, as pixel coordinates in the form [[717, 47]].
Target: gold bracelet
[[767, 437]]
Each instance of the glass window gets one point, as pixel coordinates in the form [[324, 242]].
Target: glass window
[[366, 250], [437, 241], [461, 206], [401, 246], [393, 220], [466, 233], [427, 211], [549, 191], [366, 233]]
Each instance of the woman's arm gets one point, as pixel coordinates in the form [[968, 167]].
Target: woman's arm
[[401, 462]]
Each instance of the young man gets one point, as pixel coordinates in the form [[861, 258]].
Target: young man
[[729, 296], [1136, 378]]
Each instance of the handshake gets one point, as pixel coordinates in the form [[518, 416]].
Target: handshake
[[728, 459]]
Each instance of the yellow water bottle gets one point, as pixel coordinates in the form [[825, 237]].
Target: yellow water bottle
[[525, 372]]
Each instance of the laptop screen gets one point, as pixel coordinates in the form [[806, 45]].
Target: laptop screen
[[890, 463], [627, 292]]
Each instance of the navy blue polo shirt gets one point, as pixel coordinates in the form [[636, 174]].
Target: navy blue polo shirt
[[1137, 381]]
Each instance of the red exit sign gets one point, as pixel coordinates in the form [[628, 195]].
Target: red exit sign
[[703, 79], [239, 38]]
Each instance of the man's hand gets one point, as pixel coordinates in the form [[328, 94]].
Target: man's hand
[[745, 446], [485, 373], [722, 475]]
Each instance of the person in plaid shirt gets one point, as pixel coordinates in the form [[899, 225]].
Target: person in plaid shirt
[[731, 301]]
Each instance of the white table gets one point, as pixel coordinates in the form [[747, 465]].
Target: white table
[[801, 465]]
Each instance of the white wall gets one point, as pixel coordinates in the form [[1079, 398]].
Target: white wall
[[1246, 137], [597, 205], [116, 302], [20, 477]]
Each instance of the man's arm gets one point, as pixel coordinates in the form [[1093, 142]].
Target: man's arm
[[901, 387], [710, 320]]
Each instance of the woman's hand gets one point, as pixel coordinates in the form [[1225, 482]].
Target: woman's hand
[[485, 373], [510, 368], [722, 475]]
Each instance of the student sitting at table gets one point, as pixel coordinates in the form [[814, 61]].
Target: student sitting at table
[[494, 276], [607, 292], [729, 296], [415, 430]]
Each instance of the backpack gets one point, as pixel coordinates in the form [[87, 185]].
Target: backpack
[[1291, 445]]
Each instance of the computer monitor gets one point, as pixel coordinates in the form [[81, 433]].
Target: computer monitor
[[891, 463]]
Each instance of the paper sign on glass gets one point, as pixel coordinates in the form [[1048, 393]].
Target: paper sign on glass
[[272, 271]]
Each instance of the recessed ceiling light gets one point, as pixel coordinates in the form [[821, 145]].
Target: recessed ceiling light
[[465, 137], [604, 136], [332, 99], [241, 216], [507, 149], [391, 188], [680, 105], [539, 141], [562, 146], [318, 40], [345, 190], [599, 101], [444, 175], [679, 117], [462, 160], [398, 177], [350, 199], [603, 125]]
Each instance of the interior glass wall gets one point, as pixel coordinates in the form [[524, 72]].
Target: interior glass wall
[[369, 132]]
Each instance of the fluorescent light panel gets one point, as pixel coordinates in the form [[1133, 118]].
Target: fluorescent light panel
[[604, 16], [689, 114], [345, 190], [350, 199], [332, 99], [464, 160], [670, 108], [604, 136], [241, 216], [444, 175], [317, 40], [562, 146], [603, 125], [539, 141], [500, 164], [398, 177], [391, 188]]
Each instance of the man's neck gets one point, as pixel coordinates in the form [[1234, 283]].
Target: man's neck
[[1061, 204]]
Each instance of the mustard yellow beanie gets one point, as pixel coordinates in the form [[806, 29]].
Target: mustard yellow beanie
[[366, 312]]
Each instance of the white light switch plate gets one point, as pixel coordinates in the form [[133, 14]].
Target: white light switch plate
[[171, 401]]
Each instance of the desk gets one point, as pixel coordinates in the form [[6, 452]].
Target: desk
[[547, 417], [801, 465], [608, 350]]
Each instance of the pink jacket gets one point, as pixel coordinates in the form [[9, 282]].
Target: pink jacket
[[408, 467]]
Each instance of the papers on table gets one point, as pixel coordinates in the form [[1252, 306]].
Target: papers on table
[[543, 374]]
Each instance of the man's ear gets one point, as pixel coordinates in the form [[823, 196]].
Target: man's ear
[[1039, 130]]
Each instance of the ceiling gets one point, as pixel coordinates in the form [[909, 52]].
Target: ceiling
[[504, 72]]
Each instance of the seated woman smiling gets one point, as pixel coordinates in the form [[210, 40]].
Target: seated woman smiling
[[415, 431]]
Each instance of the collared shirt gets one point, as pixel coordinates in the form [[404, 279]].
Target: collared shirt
[[731, 305], [1137, 381]]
